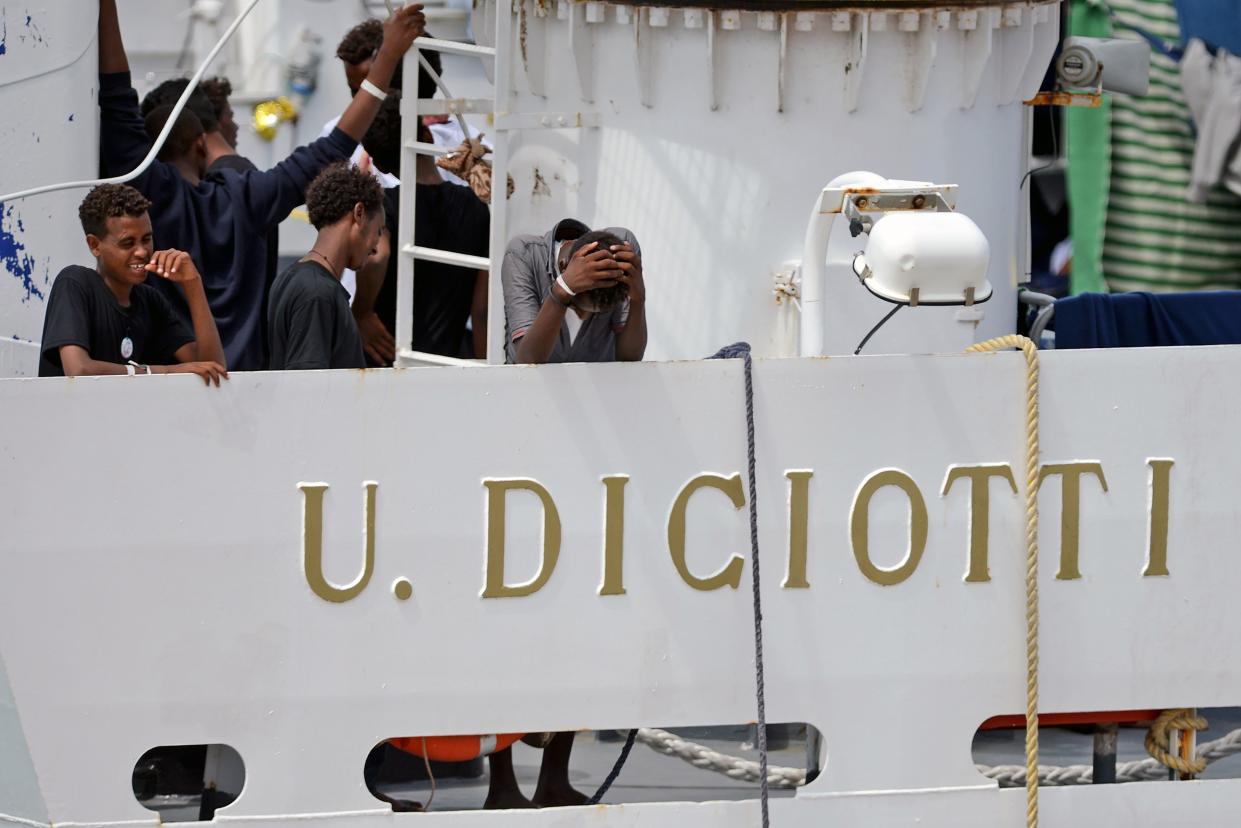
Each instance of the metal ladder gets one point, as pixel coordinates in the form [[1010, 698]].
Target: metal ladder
[[409, 252]]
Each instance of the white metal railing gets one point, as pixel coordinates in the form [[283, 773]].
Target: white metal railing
[[448, 257]]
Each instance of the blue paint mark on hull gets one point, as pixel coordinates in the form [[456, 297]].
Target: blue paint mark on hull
[[13, 256]]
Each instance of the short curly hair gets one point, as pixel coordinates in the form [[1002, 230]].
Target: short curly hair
[[362, 42], [169, 92], [110, 201], [217, 90], [334, 192]]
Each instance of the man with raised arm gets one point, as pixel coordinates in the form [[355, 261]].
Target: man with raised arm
[[108, 320], [222, 220]]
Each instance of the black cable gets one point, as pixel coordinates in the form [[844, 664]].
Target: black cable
[[875, 329], [616, 768], [1055, 154]]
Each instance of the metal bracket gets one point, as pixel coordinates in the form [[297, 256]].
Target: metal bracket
[[786, 284], [860, 208]]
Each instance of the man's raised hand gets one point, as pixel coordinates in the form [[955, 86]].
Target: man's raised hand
[[173, 265], [403, 27]]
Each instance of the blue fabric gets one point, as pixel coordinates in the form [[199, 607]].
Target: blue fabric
[[1130, 320], [223, 222], [1216, 22]]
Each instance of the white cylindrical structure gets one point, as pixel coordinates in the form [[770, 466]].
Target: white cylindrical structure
[[717, 129]]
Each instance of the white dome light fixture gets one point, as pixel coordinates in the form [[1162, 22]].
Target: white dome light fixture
[[925, 258]]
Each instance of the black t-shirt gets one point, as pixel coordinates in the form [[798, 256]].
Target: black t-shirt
[[82, 311], [241, 164], [309, 321], [447, 217]]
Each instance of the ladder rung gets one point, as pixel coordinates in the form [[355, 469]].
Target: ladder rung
[[425, 358], [430, 254], [453, 47], [428, 149], [455, 106], [440, 13]]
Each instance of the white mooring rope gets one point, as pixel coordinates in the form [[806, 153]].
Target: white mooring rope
[[1009, 776]]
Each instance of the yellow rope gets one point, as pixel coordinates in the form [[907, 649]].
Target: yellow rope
[[1031, 353], [1180, 718]]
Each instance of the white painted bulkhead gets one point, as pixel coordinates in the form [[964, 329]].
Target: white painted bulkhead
[[694, 154], [48, 132]]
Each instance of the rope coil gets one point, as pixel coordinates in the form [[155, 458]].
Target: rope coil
[[1157, 737]]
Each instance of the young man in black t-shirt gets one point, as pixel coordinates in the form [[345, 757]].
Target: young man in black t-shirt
[[308, 321], [447, 217], [108, 320]]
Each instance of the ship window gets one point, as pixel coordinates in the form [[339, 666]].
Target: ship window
[[399, 774], [188, 783]]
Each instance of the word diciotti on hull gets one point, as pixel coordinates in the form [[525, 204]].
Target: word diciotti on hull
[[978, 480]]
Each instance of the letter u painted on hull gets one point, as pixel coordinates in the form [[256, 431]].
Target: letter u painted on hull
[[312, 543]]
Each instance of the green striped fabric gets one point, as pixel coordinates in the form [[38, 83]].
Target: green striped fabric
[[1154, 239]]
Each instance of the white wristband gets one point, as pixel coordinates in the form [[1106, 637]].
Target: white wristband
[[564, 285], [129, 369], [373, 90]]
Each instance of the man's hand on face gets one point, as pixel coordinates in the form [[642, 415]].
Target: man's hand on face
[[173, 265], [630, 264], [377, 342], [591, 268], [405, 25]]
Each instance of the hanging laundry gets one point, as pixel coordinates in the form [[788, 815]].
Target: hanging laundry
[[1217, 23], [1212, 85], [1155, 238]]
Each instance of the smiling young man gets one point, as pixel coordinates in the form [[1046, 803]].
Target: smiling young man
[[108, 320], [309, 321]]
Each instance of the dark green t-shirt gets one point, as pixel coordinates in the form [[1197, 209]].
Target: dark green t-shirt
[[309, 322]]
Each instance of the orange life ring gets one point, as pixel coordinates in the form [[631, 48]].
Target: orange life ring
[[455, 748]]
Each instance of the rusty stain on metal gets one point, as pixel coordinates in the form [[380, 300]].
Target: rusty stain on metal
[[540, 184], [523, 27], [1091, 100], [919, 202]]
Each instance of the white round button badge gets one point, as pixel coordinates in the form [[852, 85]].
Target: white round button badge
[[127, 348]]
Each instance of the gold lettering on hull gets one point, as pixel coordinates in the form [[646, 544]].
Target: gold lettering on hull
[[497, 491], [980, 511], [730, 574], [1071, 509], [799, 523], [980, 479], [859, 527], [312, 543], [614, 535], [1157, 540]]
